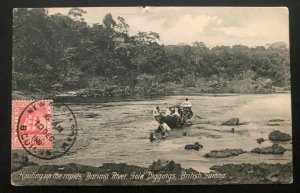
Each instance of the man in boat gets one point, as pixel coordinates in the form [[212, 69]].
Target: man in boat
[[171, 116], [176, 113], [157, 114], [185, 109], [168, 111], [186, 103]]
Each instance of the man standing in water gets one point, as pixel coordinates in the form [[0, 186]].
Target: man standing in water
[[163, 128], [157, 114]]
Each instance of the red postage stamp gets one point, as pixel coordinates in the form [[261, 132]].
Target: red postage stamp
[[32, 124]]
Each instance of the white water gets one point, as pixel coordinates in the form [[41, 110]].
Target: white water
[[120, 133]]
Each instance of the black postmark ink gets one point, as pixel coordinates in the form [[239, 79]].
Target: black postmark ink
[[57, 127]]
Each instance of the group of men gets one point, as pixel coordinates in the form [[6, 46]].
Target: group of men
[[170, 111]]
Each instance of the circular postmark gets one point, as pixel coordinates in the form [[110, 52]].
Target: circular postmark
[[47, 130]]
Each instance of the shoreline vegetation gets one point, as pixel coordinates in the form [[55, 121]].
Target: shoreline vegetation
[[173, 90], [61, 55]]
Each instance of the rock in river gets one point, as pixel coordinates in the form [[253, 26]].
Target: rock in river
[[276, 120], [224, 153], [260, 140], [273, 124], [279, 136], [92, 115], [274, 149], [232, 121], [195, 146]]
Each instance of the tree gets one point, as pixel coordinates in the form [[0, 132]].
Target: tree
[[76, 14], [108, 22], [147, 56], [122, 26], [31, 40], [51, 49]]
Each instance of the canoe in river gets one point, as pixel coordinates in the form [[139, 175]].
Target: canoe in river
[[175, 121]]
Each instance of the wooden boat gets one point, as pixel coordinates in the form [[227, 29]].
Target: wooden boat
[[175, 121]]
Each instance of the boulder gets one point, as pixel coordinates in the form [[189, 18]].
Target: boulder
[[92, 115], [275, 120], [195, 146], [232, 121], [260, 140], [224, 153], [160, 165], [261, 173], [274, 149], [279, 136], [273, 124]]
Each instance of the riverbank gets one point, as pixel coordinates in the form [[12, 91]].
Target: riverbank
[[163, 89], [158, 173]]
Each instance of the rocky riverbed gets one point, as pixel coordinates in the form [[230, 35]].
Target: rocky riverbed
[[117, 132], [158, 173]]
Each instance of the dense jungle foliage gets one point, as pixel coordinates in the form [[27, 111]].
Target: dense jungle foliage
[[60, 53]]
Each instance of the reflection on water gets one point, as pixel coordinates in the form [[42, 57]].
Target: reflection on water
[[117, 131]]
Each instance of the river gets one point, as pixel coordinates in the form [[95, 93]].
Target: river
[[120, 132]]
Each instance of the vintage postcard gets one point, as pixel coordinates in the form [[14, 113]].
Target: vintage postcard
[[151, 96]]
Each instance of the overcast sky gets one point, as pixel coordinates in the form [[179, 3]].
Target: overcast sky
[[212, 25]]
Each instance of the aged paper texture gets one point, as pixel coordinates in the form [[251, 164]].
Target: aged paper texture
[[151, 96]]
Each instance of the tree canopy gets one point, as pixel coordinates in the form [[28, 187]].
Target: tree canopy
[[63, 49]]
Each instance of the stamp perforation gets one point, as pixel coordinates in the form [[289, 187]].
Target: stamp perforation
[[18, 106]]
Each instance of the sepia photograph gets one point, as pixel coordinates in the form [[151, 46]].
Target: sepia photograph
[[151, 96]]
